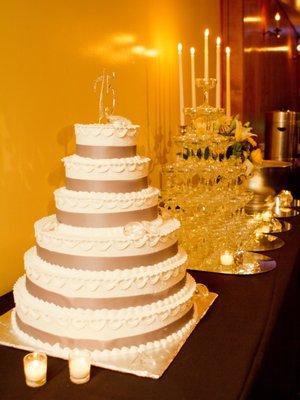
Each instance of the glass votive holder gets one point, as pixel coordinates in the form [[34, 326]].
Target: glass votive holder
[[286, 198], [226, 258], [79, 366], [35, 369]]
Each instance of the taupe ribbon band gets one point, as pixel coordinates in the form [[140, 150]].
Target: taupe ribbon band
[[85, 185], [101, 152], [92, 344], [114, 303], [106, 220], [105, 263]]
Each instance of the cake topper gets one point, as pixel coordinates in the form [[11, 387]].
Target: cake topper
[[107, 97]]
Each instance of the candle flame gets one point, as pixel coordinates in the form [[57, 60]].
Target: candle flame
[[179, 47], [277, 17], [192, 50], [227, 50], [218, 41], [206, 32]]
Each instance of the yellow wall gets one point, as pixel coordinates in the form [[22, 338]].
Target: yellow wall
[[51, 51]]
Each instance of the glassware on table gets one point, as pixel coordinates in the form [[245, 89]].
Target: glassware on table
[[79, 366], [35, 369]]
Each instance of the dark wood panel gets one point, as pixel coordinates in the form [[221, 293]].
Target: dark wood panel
[[266, 68]]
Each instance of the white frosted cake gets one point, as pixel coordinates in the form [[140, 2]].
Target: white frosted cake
[[106, 273]]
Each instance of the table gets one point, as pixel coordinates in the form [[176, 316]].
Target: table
[[247, 347]]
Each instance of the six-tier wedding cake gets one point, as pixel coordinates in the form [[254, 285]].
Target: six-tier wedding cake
[[106, 273]]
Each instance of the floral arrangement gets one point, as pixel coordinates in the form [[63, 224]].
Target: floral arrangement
[[245, 146], [242, 142]]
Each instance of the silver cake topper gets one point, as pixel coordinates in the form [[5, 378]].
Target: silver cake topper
[[107, 97]]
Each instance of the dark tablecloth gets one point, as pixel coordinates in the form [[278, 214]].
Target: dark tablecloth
[[247, 347]]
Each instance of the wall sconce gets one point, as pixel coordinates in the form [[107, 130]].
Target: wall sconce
[[275, 31]]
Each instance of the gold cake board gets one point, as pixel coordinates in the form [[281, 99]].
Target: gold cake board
[[146, 363]]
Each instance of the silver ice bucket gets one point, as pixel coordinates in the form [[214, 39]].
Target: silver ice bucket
[[282, 135], [267, 181]]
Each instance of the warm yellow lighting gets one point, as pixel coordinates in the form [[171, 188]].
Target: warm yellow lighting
[[266, 49], [252, 19], [192, 50], [218, 41], [151, 53], [206, 32], [143, 51], [277, 17], [179, 48], [298, 47], [138, 49], [124, 38], [227, 50]]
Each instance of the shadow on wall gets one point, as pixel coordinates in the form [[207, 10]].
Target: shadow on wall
[[55, 179]]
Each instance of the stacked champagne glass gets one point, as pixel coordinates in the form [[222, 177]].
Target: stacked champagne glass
[[206, 188]]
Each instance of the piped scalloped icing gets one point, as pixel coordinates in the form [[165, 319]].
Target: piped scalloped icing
[[106, 169], [84, 323], [79, 283], [118, 132], [140, 238], [134, 270], [93, 202]]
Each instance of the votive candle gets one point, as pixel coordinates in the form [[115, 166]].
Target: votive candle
[[35, 369], [226, 258], [79, 366]]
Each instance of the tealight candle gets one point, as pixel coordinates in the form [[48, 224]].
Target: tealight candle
[[79, 366], [35, 369], [226, 258]]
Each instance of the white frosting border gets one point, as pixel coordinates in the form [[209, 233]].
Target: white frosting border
[[144, 279], [98, 202], [110, 357], [170, 305], [106, 169], [118, 132], [143, 238]]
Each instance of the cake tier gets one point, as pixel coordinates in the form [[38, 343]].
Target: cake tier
[[119, 132], [74, 286], [137, 244], [131, 354], [90, 209], [103, 328], [118, 175]]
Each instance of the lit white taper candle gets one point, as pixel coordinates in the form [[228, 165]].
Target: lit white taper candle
[[181, 93], [193, 77], [218, 72], [228, 94], [206, 64]]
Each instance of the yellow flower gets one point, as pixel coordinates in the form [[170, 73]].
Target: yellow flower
[[251, 141], [243, 133], [256, 156]]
